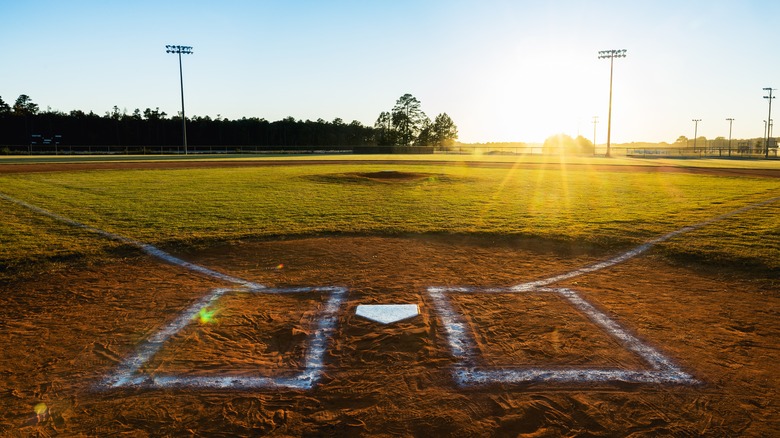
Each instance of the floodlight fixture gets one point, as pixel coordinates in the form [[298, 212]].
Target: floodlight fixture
[[611, 54], [695, 132], [769, 117], [180, 50], [730, 120]]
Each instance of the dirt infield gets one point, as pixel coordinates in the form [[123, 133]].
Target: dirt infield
[[73, 167], [64, 333]]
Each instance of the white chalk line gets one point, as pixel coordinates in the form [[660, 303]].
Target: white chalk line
[[127, 373], [145, 247], [463, 347], [467, 372]]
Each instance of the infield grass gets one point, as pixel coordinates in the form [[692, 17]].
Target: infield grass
[[578, 205]]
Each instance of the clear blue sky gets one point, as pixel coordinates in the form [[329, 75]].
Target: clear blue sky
[[503, 70]]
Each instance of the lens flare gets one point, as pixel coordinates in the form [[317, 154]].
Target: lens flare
[[206, 316], [280, 266]]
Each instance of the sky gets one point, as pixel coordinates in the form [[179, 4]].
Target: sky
[[502, 70]]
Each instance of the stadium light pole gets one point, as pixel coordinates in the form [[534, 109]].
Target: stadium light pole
[[769, 117], [611, 54], [187, 50], [695, 132], [730, 122], [595, 121]]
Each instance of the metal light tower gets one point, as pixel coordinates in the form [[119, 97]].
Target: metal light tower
[[595, 121], [611, 54], [187, 50], [730, 122], [695, 131], [769, 117]]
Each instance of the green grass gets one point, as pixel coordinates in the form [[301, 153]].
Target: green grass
[[578, 204]]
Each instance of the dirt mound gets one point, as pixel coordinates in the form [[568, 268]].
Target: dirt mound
[[381, 177], [393, 175]]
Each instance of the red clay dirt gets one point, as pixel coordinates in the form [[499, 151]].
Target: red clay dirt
[[65, 332], [73, 167]]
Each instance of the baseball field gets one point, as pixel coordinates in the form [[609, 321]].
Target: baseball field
[[555, 296]]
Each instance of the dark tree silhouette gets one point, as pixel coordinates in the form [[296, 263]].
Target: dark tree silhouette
[[4, 107], [408, 119], [444, 130], [24, 106]]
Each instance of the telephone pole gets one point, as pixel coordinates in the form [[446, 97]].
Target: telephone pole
[[695, 132], [769, 118], [595, 121], [730, 122]]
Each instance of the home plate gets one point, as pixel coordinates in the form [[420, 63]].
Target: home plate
[[387, 313]]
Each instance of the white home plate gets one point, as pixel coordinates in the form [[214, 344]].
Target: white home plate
[[387, 313]]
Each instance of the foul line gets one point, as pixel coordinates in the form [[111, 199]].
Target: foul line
[[145, 247], [628, 255]]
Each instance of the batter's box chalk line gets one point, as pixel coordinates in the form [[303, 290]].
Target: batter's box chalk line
[[128, 372], [463, 347]]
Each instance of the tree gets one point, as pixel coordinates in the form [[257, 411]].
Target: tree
[[4, 107], [154, 114], [584, 146], [564, 144], [408, 119], [385, 132], [24, 106], [426, 137], [444, 130]]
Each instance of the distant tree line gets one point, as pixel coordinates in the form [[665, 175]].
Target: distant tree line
[[407, 126]]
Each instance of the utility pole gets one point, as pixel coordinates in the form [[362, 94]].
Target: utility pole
[[187, 50], [730, 122], [595, 121], [695, 132], [769, 118], [611, 54]]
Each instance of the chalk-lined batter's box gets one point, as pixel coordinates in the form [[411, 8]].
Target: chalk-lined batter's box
[[255, 337], [471, 368]]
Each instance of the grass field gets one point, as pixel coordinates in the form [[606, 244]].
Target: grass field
[[589, 206], [541, 309]]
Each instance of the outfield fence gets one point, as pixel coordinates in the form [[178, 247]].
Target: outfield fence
[[481, 149], [709, 152], [52, 149]]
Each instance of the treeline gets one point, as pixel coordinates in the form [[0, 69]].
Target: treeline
[[24, 123]]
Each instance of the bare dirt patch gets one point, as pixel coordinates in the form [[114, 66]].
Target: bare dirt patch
[[64, 333]]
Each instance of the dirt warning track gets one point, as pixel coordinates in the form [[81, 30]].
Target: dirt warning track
[[72, 167]]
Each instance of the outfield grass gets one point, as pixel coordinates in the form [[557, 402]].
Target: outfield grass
[[578, 204]]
